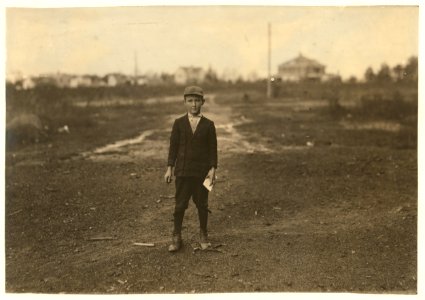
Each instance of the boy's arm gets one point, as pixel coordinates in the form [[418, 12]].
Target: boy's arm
[[169, 174], [174, 145], [211, 175], [213, 153], [172, 153], [213, 147]]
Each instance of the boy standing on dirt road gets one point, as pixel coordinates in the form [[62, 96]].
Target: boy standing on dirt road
[[192, 157]]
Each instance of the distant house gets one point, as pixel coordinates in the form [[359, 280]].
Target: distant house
[[97, 81], [14, 77], [85, 80], [80, 81], [45, 80], [74, 82], [116, 79], [301, 68], [63, 80], [139, 80], [26, 84], [189, 75]]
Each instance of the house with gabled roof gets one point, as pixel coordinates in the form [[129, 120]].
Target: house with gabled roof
[[301, 68], [189, 75]]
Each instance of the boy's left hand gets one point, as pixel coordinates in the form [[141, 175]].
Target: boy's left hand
[[211, 175]]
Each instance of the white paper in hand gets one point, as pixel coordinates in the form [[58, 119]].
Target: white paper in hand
[[207, 184]]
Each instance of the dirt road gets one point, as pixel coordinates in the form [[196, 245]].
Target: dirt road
[[146, 145], [299, 206]]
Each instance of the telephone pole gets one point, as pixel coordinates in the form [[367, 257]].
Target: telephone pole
[[269, 82], [136, 71]]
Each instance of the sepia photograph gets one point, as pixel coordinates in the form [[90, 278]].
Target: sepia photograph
[[204, 149]]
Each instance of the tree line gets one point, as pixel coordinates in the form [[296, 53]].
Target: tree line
[[398, 73]]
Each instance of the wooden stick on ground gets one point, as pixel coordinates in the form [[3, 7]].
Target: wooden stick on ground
[[15, 212], [144, 244], [102, 238]]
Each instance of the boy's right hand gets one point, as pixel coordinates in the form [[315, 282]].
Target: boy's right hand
[[168, 177]]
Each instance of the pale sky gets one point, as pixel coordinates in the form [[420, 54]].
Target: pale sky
[[102, 40]]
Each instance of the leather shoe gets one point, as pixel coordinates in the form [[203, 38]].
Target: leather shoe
[[203, 238], [176, 243]]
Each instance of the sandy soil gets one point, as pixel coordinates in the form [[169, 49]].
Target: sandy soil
[[303, 203]]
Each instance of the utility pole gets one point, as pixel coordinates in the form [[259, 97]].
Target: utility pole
[[269, 82], [136, 71]]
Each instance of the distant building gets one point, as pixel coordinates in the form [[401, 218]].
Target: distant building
[[63, 80], [26, 84], [189, 75], [116, 79], [14, 77], [97, 81], [139, 80], [78, 81], [86, 80], [45, 80], [301, 68]]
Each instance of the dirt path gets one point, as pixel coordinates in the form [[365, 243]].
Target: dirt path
[[146, 145]]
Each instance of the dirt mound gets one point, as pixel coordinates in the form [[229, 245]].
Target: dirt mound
[[24, 129]]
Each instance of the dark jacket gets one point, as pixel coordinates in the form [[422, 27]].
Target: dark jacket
[[192, 154]]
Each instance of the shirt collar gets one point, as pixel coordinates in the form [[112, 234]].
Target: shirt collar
[[193, 116]]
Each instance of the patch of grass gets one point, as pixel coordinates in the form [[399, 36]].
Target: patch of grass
[[55, 107], [377, 106]]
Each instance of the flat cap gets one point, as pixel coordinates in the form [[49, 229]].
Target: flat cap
[[193, 90]]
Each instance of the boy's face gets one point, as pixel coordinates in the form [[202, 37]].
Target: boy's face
[[193, 104]]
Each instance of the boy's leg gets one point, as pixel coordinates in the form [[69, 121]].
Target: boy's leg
[[184, 191], [200, 197], [183, 194]]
